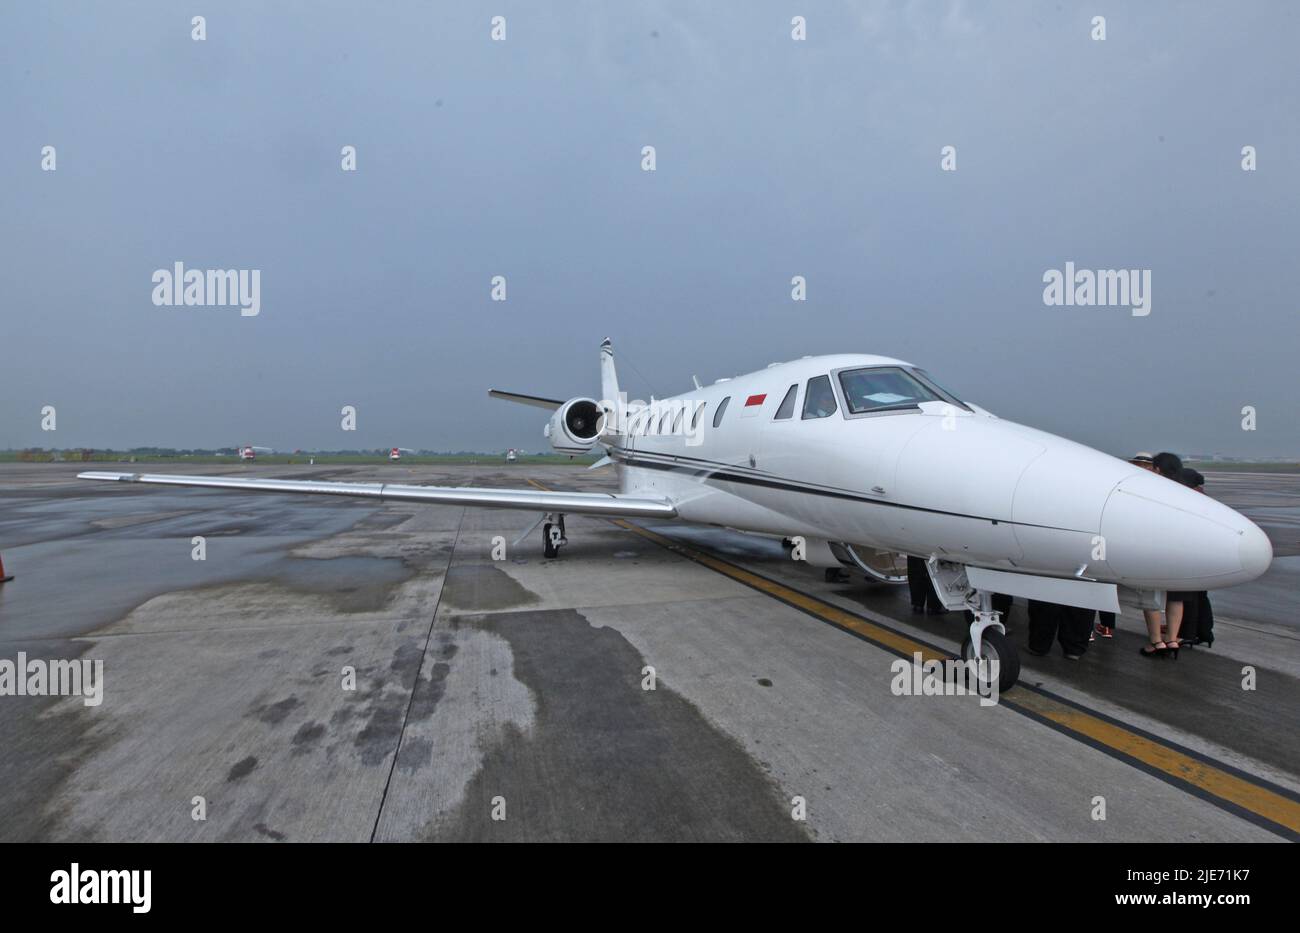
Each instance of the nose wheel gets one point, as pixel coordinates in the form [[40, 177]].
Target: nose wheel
[[553, 537], [987, 642]]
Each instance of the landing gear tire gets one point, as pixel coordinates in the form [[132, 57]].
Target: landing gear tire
[[994, 646]]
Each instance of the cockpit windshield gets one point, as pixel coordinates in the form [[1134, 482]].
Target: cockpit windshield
[[929, 380], [884, 388]]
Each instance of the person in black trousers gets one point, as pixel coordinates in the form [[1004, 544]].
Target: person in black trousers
[[1204, 634], [924, 598], [1069, 625], [1198, 616]]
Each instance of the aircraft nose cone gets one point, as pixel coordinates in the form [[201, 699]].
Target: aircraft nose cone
[[1160, 535], [1255, 551]]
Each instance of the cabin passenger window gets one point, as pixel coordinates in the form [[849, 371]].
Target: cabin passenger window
[[819, 399], [663, 422], [717, 415], [695, 422], [787, 405], [677, 422]]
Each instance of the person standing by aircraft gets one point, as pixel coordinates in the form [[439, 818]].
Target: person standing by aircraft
[[921, 587], [1170, 466], [1198, 616], [1067, 624]]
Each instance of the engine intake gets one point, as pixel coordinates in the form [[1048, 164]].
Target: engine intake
[[575, 426]]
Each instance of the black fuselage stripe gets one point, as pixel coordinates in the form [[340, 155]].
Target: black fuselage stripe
[[721, 472]]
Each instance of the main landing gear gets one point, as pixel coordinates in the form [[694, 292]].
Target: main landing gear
[[553, 537]]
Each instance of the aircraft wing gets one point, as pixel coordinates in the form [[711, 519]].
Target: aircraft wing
[[534, 500]]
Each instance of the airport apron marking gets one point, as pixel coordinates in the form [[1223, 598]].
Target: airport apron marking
[[1254, 799]]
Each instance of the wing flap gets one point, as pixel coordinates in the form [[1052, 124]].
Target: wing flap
[[584, 503]]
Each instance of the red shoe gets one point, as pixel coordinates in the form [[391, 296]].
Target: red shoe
[[1105, 631]]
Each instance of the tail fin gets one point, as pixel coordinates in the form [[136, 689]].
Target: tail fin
[[608, 375]]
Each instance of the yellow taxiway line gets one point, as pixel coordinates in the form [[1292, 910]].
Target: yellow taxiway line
[[1266, 805]]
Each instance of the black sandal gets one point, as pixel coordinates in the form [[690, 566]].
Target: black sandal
[[1158, 650]]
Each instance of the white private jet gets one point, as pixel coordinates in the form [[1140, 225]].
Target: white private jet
[[863, 458]]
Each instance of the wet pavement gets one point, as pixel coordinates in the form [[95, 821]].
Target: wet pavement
[[352, 670]]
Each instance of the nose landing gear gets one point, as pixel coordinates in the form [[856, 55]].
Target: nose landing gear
[[553, 537], [987, 640], [987, 643]]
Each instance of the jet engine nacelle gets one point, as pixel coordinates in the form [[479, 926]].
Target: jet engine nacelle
[[575, 426]]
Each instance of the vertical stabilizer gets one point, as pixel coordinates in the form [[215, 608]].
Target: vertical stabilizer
[[608, 375]]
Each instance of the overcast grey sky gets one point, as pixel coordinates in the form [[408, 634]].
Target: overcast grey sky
[[522, 158]]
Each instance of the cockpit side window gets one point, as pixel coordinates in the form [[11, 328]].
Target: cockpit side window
[[787, 405], [819, 399]]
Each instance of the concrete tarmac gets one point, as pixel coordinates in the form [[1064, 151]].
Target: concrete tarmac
[[348, 670]]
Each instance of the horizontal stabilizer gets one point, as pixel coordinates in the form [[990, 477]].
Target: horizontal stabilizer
[[550, 404]]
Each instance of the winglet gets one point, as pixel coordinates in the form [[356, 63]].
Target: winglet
[[110, 477]]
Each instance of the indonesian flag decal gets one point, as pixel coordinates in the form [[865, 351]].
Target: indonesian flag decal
[[753, 405]]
